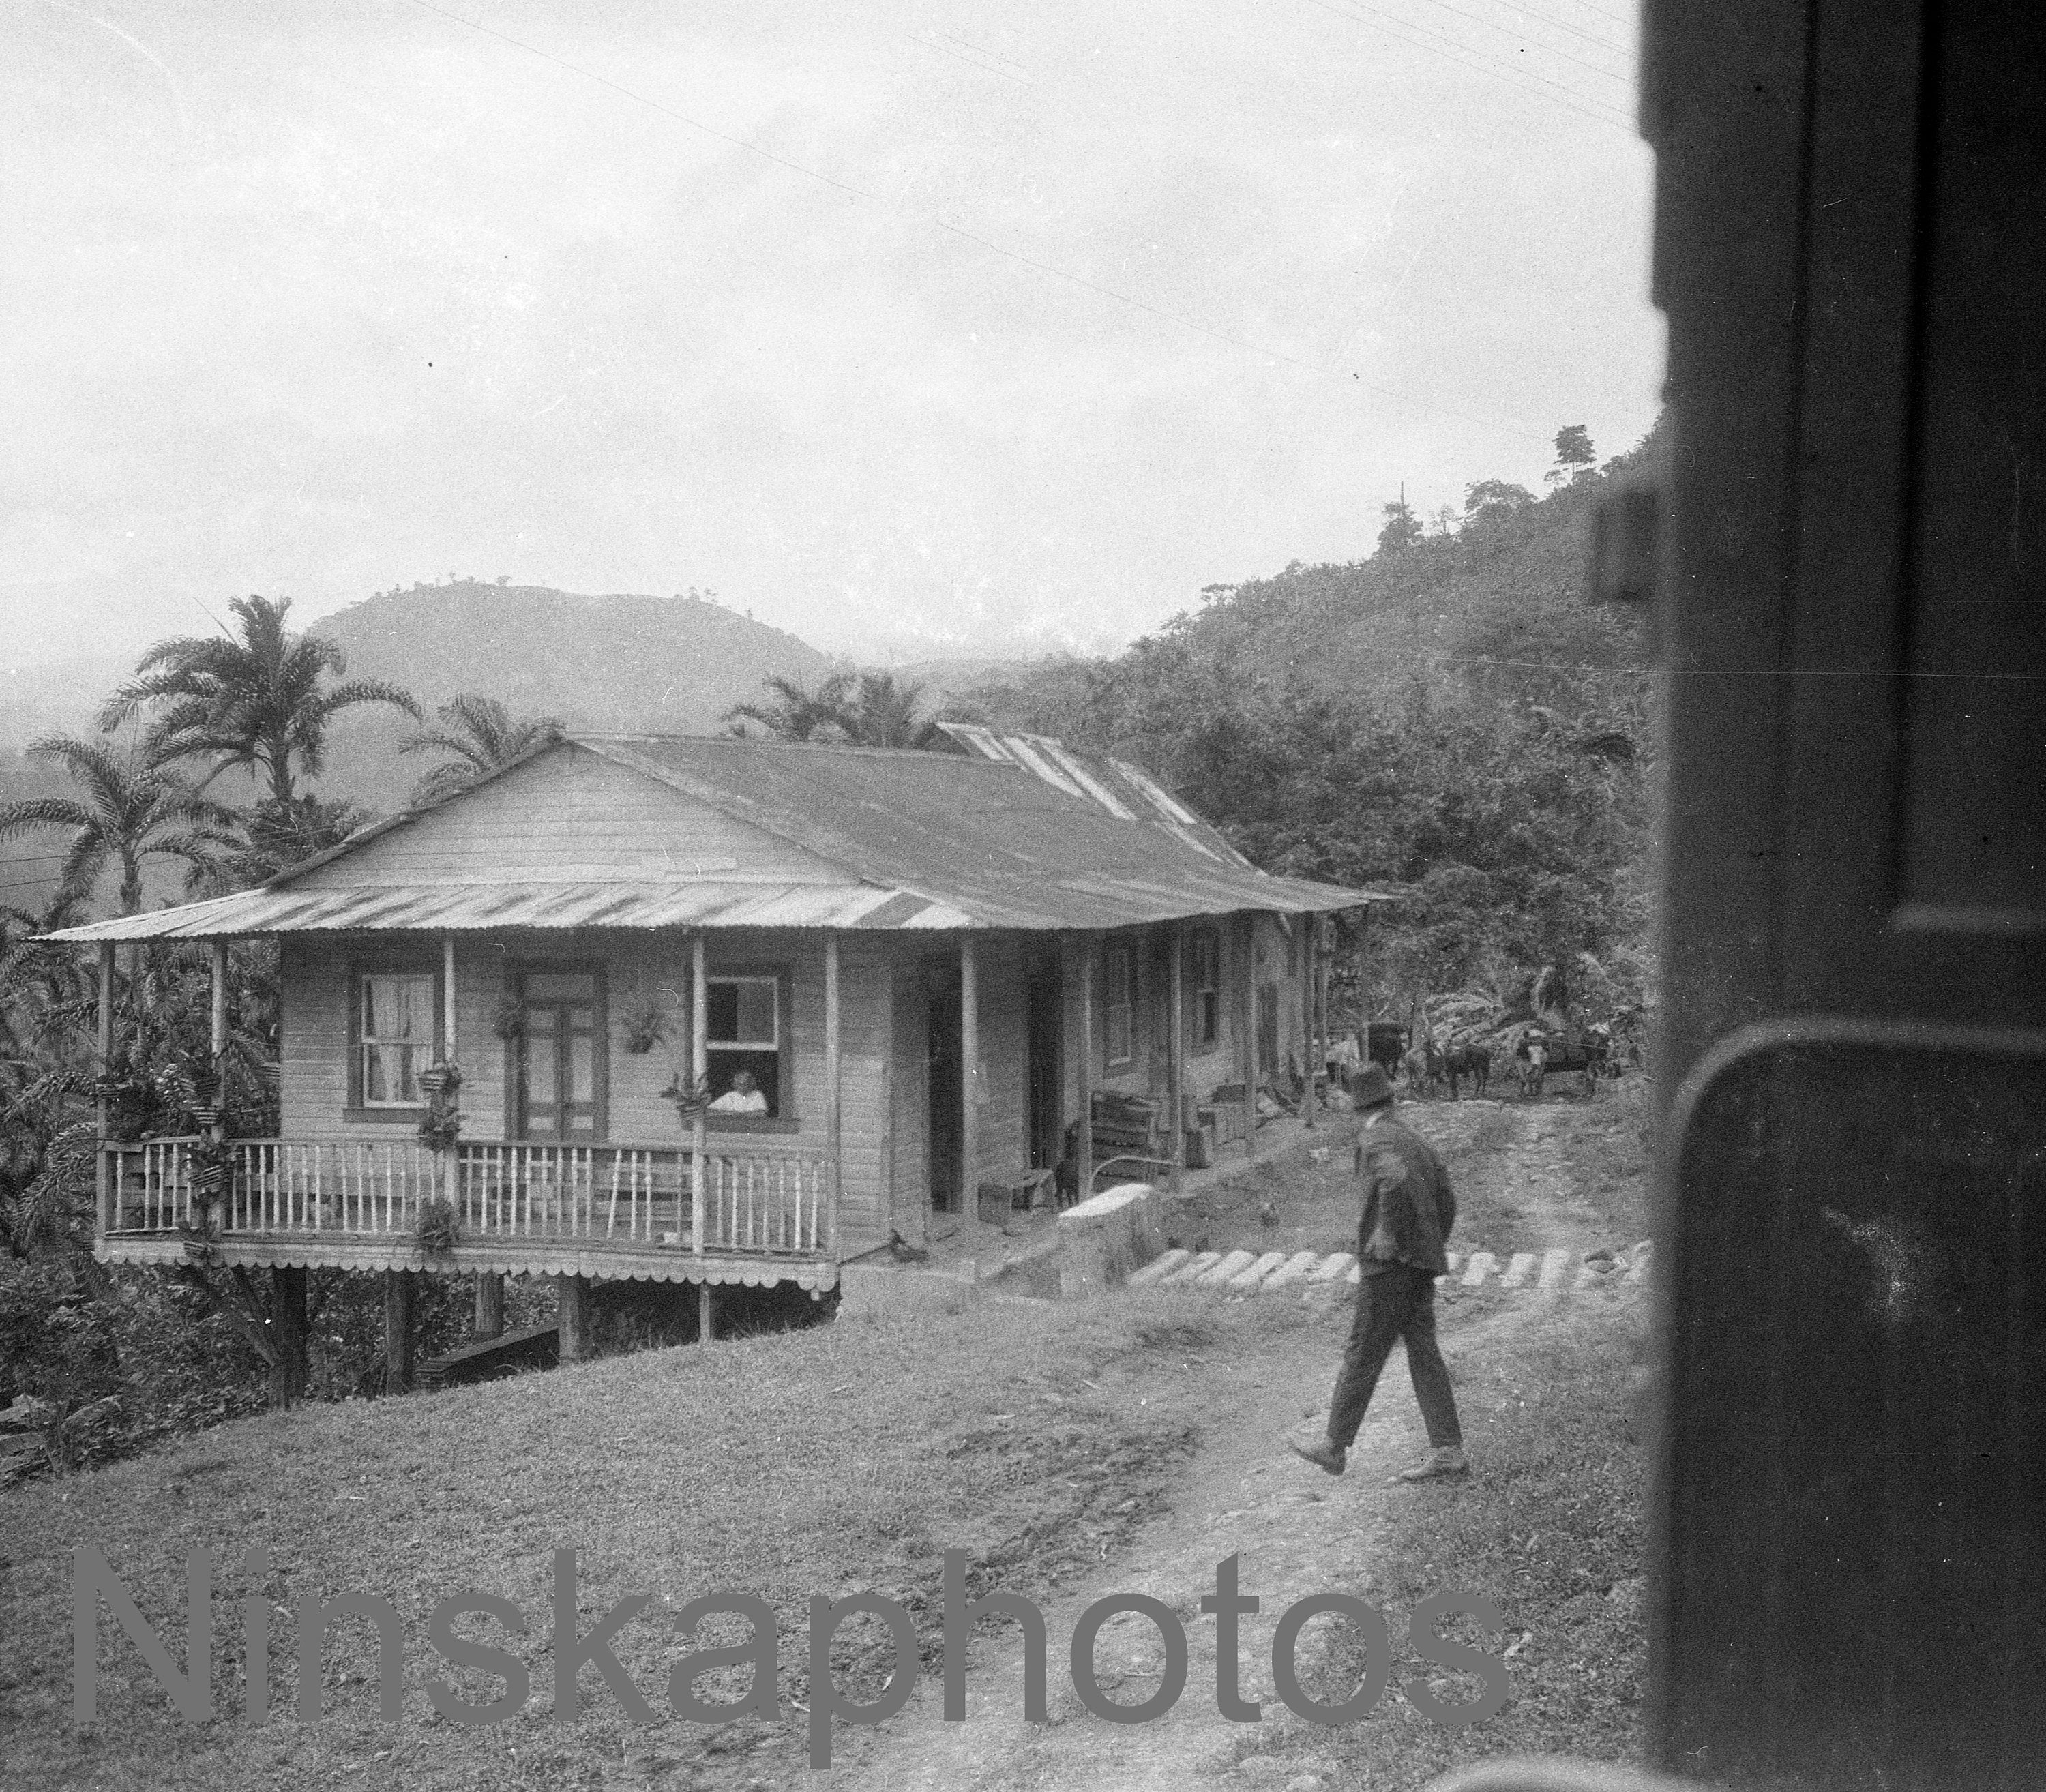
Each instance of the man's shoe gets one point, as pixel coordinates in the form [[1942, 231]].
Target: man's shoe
[[1438, 1465], [1331, 1458]]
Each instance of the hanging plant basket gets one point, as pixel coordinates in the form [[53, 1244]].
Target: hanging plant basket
[[644, 1031], [439, 1081], [441, 1130], [690, 1098]]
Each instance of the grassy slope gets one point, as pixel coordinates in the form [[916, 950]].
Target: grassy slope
[[819, 1461]]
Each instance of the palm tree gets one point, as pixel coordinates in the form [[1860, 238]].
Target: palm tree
[[128, 811], [485, 735], [256, 699], [884, 714], [797, 714]]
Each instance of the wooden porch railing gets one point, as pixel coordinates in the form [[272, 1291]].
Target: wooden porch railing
[[775, 1202]]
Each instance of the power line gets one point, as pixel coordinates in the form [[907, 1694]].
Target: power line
[[1506, 31], [992, 247], [1588, 37], [1617, 18], [1484, 64]]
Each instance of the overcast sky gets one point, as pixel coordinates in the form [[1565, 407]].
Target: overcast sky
[[890, 321]]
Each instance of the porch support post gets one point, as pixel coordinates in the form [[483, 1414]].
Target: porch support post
[[1324, 950], [1311, 953], [103, 1185], [572, 1317], [1246, 1025], [706, 1311], [489, 1305], [1084, 944], [217, 1038], [447, 1165], [833, 1110], [970, 1089], [699, 1078], [1364, 974], [397, 1331], [1176, 1058], [447, 998]]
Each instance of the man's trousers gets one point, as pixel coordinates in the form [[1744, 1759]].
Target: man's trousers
[[1395, 1302]]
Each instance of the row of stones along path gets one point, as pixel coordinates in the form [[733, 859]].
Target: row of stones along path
[[1296, 1530]]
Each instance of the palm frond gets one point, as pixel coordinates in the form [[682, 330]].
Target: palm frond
[[33, 812]]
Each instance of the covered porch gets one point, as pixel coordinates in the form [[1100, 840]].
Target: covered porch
[[634, 1211]]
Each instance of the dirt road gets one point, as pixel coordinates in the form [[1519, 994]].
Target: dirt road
[[1531, 1176]]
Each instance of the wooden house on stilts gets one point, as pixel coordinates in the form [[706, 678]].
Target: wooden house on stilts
[[726, 1011]]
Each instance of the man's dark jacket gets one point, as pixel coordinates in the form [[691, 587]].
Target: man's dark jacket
[[1404, 1180]]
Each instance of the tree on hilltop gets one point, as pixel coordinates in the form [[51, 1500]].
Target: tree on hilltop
[[1574, 455], [1494, 500], [1403, 529]]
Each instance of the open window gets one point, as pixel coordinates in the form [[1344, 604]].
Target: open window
[[750, 1061]]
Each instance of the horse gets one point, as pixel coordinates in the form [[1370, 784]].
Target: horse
[[1540, 1054], [1385, 1045], [1472, 1061]]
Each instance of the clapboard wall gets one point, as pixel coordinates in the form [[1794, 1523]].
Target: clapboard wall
[[638, 971]]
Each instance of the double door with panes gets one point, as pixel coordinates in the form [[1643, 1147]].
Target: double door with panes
[[559, 1080]]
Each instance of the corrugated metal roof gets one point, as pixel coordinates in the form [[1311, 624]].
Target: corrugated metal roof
[[934, 840], [474, 908]]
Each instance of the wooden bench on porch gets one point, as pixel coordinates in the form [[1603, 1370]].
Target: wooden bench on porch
[[1003, 1196]]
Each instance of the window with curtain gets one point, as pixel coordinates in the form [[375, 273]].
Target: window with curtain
[[394, 1038]]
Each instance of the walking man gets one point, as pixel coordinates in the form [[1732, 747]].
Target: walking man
[[1409, 1208]]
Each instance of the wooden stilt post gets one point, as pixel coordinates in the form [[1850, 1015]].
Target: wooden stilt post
[[699, 1077], [572, 1317], [104, 1186], [489, 1305], [1083, 1183], [1175, 1058], [1246, 1031], [970, 1092], [833, 1111], [397, 1331], [287, 1333], [706, 1311]]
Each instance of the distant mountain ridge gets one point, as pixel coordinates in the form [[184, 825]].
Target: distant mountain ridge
[[621, 660], [617, 662]]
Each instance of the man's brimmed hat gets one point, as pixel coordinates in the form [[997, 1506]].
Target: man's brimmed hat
[[1371, 1087]]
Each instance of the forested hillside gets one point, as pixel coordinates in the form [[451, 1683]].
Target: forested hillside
[[1449, 717]]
